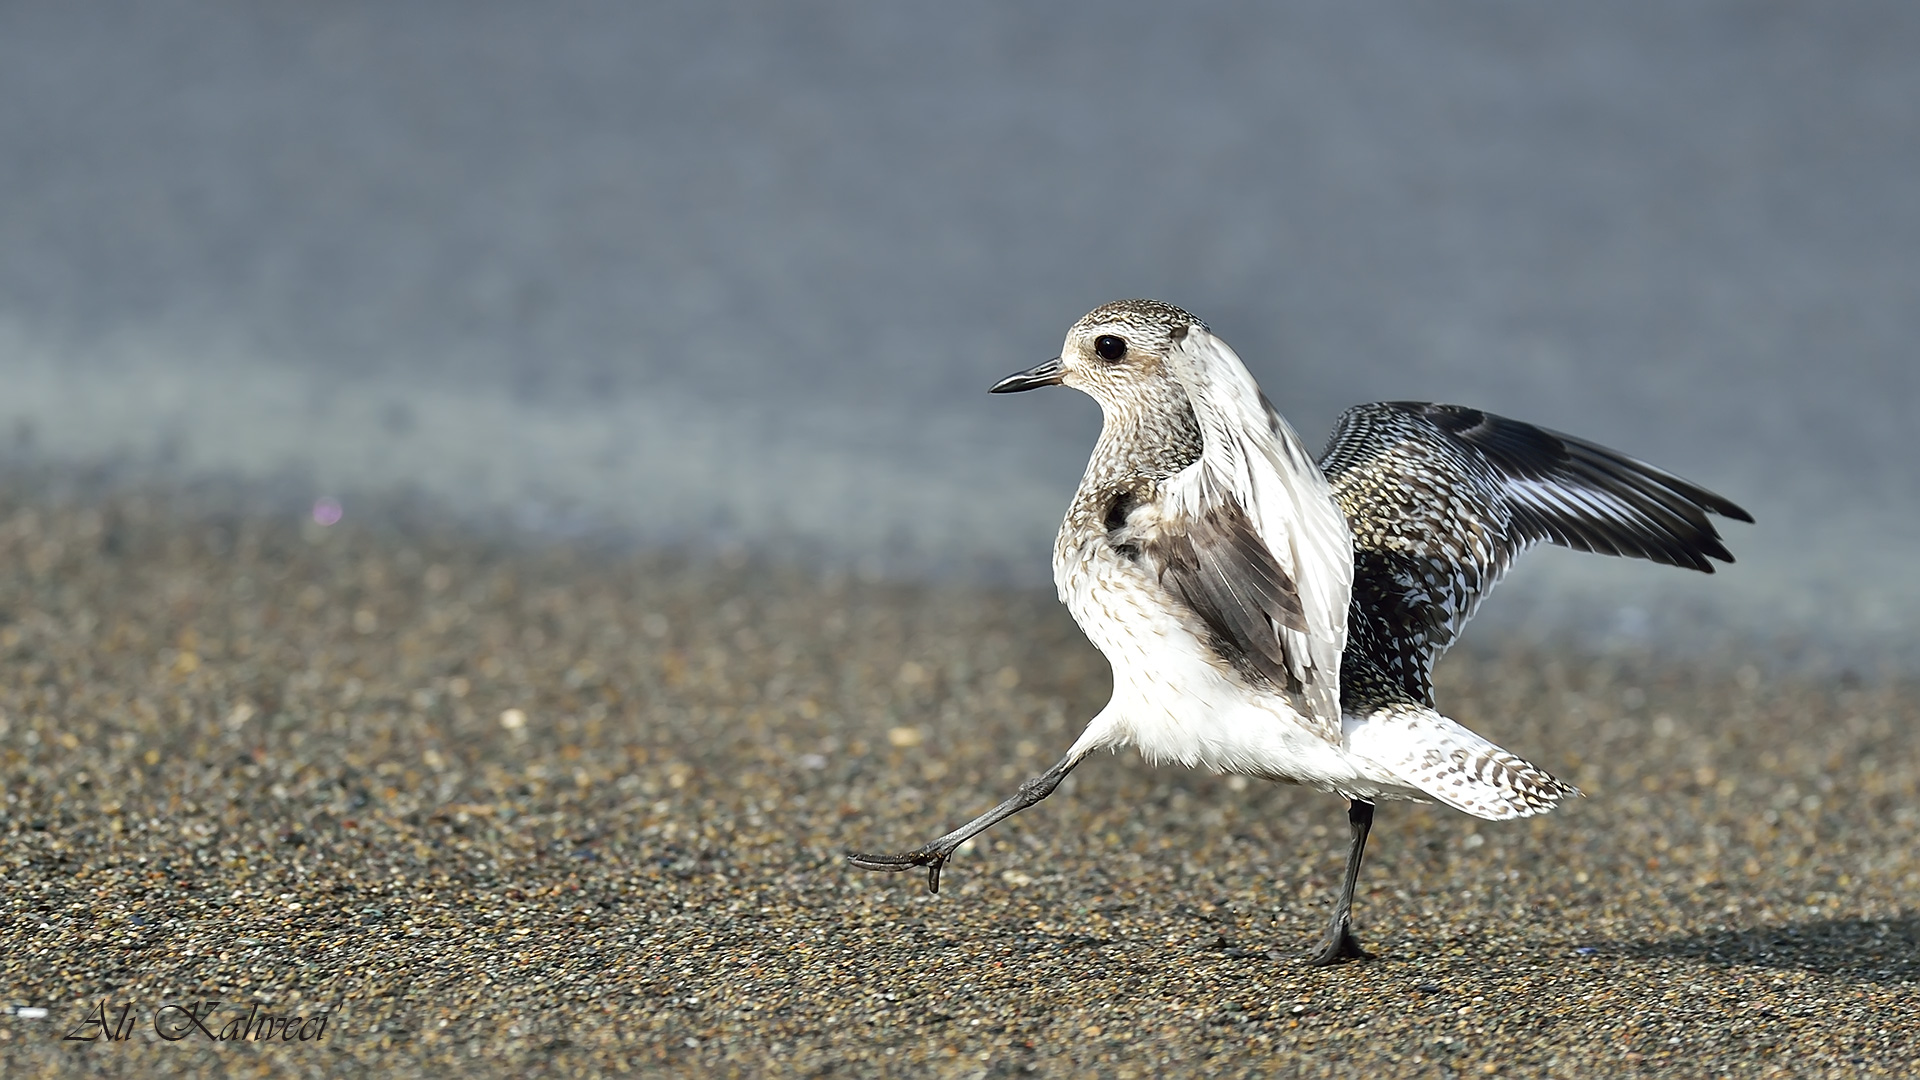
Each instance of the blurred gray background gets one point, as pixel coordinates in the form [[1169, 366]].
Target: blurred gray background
[[739, 275]]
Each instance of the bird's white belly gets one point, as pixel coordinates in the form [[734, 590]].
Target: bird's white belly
[[1177, 703]]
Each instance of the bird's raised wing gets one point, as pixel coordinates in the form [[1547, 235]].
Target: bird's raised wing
[[1442, 498], [1249, 537]]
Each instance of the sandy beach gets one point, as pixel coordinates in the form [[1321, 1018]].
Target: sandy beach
[[499, 808], [597, 332]]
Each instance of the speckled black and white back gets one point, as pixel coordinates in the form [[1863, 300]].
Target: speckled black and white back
[[1440, 499]]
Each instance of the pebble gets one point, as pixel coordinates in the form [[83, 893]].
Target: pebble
[[503, 807]]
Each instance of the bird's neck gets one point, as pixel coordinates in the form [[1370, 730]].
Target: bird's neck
[[1153, 442]]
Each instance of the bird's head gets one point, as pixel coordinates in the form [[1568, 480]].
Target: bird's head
[[1117, 354]]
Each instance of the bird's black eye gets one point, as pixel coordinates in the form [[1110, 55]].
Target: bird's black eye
[[1110, 347]]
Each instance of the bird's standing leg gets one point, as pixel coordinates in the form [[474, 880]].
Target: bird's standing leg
[[935, 854], [1340, 943]]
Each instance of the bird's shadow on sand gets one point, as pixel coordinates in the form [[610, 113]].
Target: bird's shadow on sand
[[1872, 950]]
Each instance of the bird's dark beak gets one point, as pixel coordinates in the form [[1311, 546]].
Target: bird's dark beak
[[1047, 374]]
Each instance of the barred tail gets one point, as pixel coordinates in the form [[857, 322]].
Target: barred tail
[[1456, 766]]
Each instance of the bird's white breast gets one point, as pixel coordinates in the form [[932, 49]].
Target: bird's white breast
[[1178, 702]]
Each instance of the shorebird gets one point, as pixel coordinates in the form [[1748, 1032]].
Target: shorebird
[[1271, 616]]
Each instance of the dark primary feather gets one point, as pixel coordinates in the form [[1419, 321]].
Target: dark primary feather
[[1219, 567], [1607, 503], [1441, 498]]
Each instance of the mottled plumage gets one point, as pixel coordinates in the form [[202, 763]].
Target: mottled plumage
[[1277, 617], [1441, 499]]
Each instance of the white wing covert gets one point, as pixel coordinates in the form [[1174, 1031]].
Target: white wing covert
[[1251, 538]]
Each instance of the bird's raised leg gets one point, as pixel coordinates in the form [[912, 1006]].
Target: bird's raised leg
[[1340, 944], [935, 854]]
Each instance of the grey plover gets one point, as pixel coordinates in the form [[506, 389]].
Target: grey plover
[[1273, 617]]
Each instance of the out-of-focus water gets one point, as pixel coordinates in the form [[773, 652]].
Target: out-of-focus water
[[742, 273]]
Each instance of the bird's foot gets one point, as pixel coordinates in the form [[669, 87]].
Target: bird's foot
[[1339, 947], [933, 857]]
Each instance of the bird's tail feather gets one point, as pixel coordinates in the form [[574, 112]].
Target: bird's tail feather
[[1456, 766]]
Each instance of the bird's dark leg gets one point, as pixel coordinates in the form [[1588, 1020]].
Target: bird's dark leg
[[1340, 943], [935, 854]]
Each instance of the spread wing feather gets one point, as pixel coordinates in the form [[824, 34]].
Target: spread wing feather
[[1249, 537], [1441, 499], [1222, 569]]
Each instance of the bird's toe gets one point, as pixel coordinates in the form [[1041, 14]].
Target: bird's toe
[[1339, 948], [892, 864]]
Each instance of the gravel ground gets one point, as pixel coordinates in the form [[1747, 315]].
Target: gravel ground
[[500, 809]]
